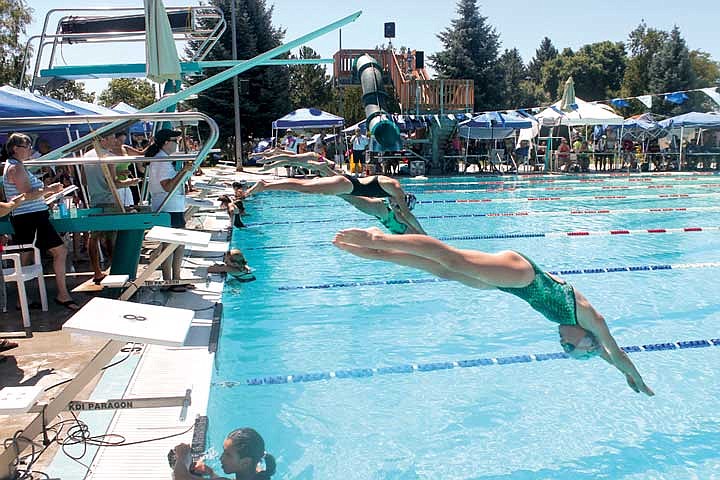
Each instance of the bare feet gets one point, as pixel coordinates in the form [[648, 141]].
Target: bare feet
[[363, 252], [358, 236], [257, 188]]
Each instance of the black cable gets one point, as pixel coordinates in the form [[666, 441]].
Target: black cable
[[103, 368]]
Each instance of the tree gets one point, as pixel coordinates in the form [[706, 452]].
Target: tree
[[643, 45], [671, 70], [543, 54], [133, 91], [310, 86], [597, 70], [470, 51], [15, 18], [706, 70], [72, 90], [513, 73], [267, 96]]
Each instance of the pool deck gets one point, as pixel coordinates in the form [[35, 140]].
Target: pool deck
[[53, 355]]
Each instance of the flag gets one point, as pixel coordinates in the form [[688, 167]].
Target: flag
[[619, 102], [676, 98], [646, 100]]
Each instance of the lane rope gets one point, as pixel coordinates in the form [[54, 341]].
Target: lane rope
[[449, 365], [491, 236], [584, 271], [568, 189]]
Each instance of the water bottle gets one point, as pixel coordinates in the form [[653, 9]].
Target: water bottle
[[73, 210], [63, 210], [55, 211]]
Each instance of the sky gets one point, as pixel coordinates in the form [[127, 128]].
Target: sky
[[520, 24]]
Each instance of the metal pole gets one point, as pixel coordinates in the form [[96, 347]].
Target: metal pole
[[236, 91]]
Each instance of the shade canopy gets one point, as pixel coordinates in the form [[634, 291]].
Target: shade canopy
[[308, 118], [643, 127], [493, 125], [692, 120], [581, 113]]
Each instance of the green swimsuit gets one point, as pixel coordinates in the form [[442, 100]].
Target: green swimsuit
[[392, 223], [555, 300]]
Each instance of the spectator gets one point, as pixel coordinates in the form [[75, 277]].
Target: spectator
[[243, 454], [359, 143], [101, 196], [563, 154], [319, 146], [163, 179], [31, 220]]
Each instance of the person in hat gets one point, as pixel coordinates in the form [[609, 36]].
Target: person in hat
[[163, 180]]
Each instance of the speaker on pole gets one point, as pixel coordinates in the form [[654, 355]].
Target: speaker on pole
[[419, 59], [390, 30]]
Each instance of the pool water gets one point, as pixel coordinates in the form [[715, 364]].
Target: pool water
[[553, 419]]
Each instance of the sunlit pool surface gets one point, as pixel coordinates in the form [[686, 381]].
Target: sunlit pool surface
[[553, 419]]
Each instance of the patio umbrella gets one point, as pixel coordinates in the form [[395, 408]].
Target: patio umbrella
[[161, 54], [568, 104]]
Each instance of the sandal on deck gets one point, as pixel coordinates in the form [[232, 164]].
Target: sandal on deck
[[6, 345]]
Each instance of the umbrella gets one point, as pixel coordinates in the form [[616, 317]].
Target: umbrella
[[568, 104], [161, 54]]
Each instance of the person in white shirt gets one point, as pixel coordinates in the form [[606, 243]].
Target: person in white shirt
[[163, 179], [360, 143]]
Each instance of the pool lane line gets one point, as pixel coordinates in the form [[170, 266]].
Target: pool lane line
[[449, 365], [520, 213], [568, 189], [579, 198], [582, 271], [535, 181], [663, 196], [491, 236]]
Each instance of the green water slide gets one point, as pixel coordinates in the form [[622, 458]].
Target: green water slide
[[375, 99]]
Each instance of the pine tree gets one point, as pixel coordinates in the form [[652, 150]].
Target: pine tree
[[671, 70], [310, 85], [513, 73], [15, 19], [267, 94], [643, 45], [470, 51], [544, 53]]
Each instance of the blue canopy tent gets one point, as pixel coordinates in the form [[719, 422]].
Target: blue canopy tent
[[691, 120], [493, 126], [306, 118], [16, 103], [643, 127]]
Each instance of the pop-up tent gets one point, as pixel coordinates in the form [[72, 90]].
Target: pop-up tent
[[580, 113], [308, 118], [692, 120], [493, 125]]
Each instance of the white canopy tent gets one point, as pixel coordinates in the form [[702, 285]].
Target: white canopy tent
[[580, 113]]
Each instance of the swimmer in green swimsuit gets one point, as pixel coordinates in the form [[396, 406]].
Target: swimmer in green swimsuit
[[395, 217], [583, 331]]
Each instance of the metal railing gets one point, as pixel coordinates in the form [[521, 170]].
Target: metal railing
[[200, 14], [127, 119]]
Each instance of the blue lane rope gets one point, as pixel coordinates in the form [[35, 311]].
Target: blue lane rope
[[435, 366], [636, 268]]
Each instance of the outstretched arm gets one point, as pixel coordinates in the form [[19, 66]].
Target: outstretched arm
[[589, 319], [279, 161]]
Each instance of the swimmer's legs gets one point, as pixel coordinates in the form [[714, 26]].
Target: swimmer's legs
[[413, 261], [504, 269]]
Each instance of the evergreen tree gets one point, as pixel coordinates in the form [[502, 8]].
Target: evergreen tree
[[671, 71], [543, 54], [15, 19], [470, 51], [310, 86], [134, 91], [267, 95], [513, 73], [72, 90], [643, 45]]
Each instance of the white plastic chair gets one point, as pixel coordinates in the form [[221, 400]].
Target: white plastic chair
[[20, 274]]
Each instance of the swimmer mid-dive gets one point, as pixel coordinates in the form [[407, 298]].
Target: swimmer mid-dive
[[376, 196], [583, 331]]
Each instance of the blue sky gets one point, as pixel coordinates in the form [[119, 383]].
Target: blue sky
[[520, 24]]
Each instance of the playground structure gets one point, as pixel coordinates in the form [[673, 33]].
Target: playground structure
[[418, 95]]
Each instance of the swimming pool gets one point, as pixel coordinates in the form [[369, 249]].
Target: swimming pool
[[552, 419]]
